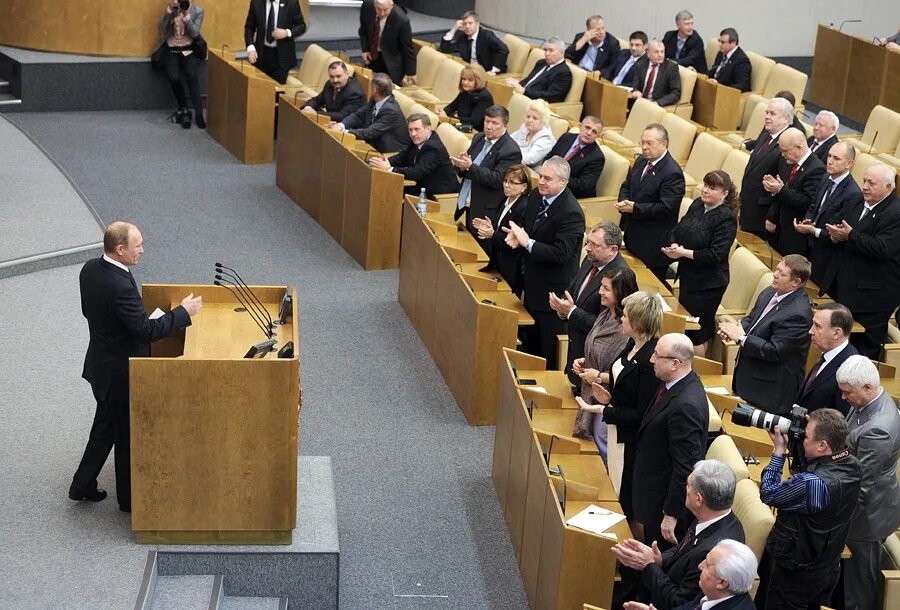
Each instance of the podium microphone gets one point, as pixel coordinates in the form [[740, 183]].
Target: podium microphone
[[260, 312], [267, 332], [250, 307], [234, 274], [845, 21]]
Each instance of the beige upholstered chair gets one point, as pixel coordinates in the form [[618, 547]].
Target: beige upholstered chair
[[428, 62], [863, 162], [445, 88], [756, 517], [571, 108], [712, 47], [724, 450], [559, 126], [404, 101], [891, 571], [715, 422], [707, 155], [734, 165], [601, 207], [891, 159], [683, 107], [454, 141], [642, 114], [755, 124], [535, 55], [420, 109], [518, 54], [761, 67], [518, 106], [682, 133], [881, 134], [315, 61], [683, 208], [785, 78], [745, 271]]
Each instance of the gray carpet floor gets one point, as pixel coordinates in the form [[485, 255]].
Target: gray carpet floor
[[417, 513]]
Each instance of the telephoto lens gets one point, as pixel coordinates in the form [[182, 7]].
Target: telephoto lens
[[184, 4], [747, 416]]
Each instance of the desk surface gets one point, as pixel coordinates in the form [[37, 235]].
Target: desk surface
[[220, 332], [620, 529], [561, 423], [586, 469], [506, 300]]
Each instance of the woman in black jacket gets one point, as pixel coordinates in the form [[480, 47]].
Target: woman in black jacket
[[701, 243], [473, 98]]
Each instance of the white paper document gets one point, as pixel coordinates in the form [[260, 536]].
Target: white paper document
[[596, 520], [535, 388], [662, 301], [720, 390], [157, 313]]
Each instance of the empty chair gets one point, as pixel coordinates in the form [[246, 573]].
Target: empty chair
[[308, 91], [315, 61], [881, 134], [454, 141], [681, 136], [708, 154], [892, 159], [745, 271], [683, 107], [614, 171], [756, 517], [785, 78], [734, 165], [446, 84], [754, 126], [642, 114], [428, 62], [760, 69], [724, 450], [518, 54]]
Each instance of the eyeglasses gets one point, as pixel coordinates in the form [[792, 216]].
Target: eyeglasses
[[512, 183], [658, 355]]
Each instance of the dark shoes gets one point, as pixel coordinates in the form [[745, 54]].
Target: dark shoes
[[198, 119], [126, 508], [183, 116], [94, 496]]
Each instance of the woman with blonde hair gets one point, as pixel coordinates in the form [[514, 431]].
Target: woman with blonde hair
[[473, 98], [534, 136]]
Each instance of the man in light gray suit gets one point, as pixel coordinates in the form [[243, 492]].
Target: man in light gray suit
[[874, 439]]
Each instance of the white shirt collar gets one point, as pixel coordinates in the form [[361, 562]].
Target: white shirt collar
[[702, 526], [730, 53], [707, 604], [834, 351], [669, 384], [872, 207], [780, 297], [840, 178], [115, 262], [474, 36], [556, 64], [656, 161]]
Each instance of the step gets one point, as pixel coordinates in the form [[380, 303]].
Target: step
[[253, 603], [182, 592], [9, 99]]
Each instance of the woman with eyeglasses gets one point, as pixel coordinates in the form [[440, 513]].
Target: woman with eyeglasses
[[503, 258]]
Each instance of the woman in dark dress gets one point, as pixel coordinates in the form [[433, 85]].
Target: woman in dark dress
[[473, 98], [701, 242], [503, 258]]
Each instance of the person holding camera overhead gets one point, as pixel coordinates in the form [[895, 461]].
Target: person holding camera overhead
[[184, 48]]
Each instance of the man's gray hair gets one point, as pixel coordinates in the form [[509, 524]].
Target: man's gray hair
[[683, 16], [737, 566], [557, 42], [560, 166], [654, 44], [383, 2], [715, 481], [612, 234], [858, 371], [887, 173], [784, 107], [827, 114]]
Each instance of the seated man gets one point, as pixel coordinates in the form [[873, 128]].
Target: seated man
[[670, 579], [594, 49], [379, 123], [684, 45], [340, 97], [551, 79], [774, 340], [476, 45], [425, 160], [659, 80], [625, 60], [824, 134], [731, 66], [584, 156]]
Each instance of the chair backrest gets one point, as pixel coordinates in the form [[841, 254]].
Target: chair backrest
[[715, 421], [724, 450], [323, 77], [708, 153], [315, 59], [558, 126], [764, 282], [642, 114], [882, 130], [785, 78], [446, 83], [863, 162], [518, 53], [756, 517], [734, 165], [615, 170], [688, 80], [404, 101], [685, 204], [760, 67], [428, 62], [578, 78], [518, 106], [455, 142], [535, 55], [745, 269], [712, 47], [681, 136], [757, 119]]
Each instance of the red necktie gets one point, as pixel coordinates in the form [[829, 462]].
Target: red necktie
[[590, 276], [765, 144], [376, 36], [648, 89], [573, 152], [793, 173], [647, 170], [659, 394], [814, 373]]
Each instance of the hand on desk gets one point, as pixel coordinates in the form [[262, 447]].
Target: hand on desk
[[252, 56], [637, 606], [192, 304], [562, 306], [516, 237], [335, 126], [380, 163], [637, 555], [309, 110]]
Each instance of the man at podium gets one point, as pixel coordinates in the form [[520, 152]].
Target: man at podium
[[119, 328]]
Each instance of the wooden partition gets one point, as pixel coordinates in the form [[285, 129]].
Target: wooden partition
[[716, 106], [603, 99], [214, 436]]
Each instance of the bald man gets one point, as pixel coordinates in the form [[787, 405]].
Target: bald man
[[658, 80], [792, 189], [119, 329]]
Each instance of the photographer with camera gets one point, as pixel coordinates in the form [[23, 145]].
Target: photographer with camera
[[814, 511], [180, 49]]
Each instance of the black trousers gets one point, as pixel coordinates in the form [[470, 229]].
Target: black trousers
[[110, 429], [268, 63], [179, 65], [801, 589], [876, 324]]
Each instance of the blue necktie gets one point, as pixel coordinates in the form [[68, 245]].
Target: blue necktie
[[545, 205], [467, 183]]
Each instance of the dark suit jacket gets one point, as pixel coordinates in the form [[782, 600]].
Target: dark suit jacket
[[349, 99], [823, 391], [632, 392], [657, 199], [676, 581], [824, 253], [553, 259], [386, 131], [552, 86], [666, 86], [506, 260], [119, 327], [587, 307], [486, 197], [586, 166], [469, 107], [429, 166], [396, 40], [736, 71], [738, 602], [490, 50], [755, 200], [670, 440], [693, 54], [792, 202], [289, 17], [771, 363], [604, 56], [869, 269], [710, 235], [619, 61], [822, 151]]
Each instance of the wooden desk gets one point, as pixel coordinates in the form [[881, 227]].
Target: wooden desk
[[831, 65], [716, 106], [603, 99]]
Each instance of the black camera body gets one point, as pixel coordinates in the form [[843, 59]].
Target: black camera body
[[793, 426]]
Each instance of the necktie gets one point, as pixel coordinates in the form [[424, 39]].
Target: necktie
[[621, 75], [536, 76], [647, 171], [773, 302], [466, 187], [793, 173], [545, 205], [376, 38], [865, 212], [679, 47], [828, 192], [648, 88], [270, 22], [574, 151], [334, 93], [719, 69], [659, 395], [688, 537], [590, 276], [473, 58], [814, 373], [765, 144], [814, 146]]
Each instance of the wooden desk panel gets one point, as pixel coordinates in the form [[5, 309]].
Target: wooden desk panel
[[289, 171], [865, 80], [310, 144], [333, 198], [603, 99], [716, 106], [890, 96], [831, 66]]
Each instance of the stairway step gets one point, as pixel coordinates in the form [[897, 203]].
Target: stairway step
[[9, 99], [253, 603], [182, 592]]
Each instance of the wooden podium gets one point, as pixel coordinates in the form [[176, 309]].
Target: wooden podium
[[214, 436], [716, 106], [603, 99]]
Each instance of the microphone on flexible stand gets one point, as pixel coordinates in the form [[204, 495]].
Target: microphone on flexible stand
[[240, 299], [234, 274], [249, 306], [841, 27], [261, 312]]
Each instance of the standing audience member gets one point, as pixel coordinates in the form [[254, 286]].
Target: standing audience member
[[594, 49], [874, 439], [830, 332], [773, 339], [340, 97], [868, 276], [551, 78], [584, 156], [732, 66], [550, 238], [684, 45], [649, 200], [658, 80], [824, 134], [269, 33], [385, 37], [185, 48], [472, 100], [701, 243], [475, 44], [380, 122], [814, 510], [619, 70], [603, 343], [670, 440], [534, 136]]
